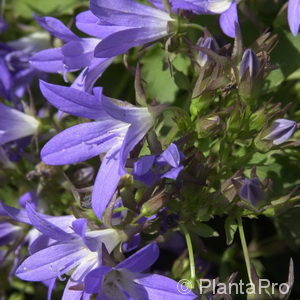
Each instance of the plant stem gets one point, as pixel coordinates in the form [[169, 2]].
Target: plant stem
[[191, 254], [245, 248], [192, 25]]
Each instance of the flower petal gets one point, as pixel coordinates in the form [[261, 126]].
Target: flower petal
[[229, 20], [141, 260], [121, 41], [73, 101], [56, 28], [294, 16], [49, 60], [82, 142], [52, 262]]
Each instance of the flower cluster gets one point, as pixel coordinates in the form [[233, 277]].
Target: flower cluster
[[110, 186]]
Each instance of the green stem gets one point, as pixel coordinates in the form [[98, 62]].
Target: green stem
[[192, 25], [191, 254], [245, 248]]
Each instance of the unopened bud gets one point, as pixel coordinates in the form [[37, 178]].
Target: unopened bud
[[209, 43], [153, 205]]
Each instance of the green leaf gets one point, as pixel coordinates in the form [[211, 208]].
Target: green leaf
[[25, 8], [204, 230], [230, 229], [160, 84]]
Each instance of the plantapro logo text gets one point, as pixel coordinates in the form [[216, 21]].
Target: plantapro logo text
[[242, 288]]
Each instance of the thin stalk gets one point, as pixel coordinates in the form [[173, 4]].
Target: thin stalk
[[192, 25], [245, 248], [191, 254]]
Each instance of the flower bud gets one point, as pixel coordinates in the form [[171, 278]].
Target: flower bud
[[250, 75], [251, 190], [153, 205], [209, 43], [208, 125], [249, 63], [281, 130]]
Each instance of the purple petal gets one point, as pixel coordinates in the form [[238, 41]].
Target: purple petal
[[93, 280], [52, 262], [79, 54], [135, 134], [88, 23], [106, 181], [121, 41], [127, 13], [87, 78], [56, 28], [294, 16], [82, 142], [229, 20], [143, 165], [15, 124], [161, 287], [49, 60], [73, 101], [173, 173], [124, 111], [44, 226], [73, 293], [141, 260], [171, 156], [251, 190]]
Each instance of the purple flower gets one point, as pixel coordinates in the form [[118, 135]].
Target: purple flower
[[281, 130], [251, 190], [76, 54], [118, 127], [15, 124], [136, 24], [73, 248], [150, 168], [294, 16], [226, 8], [125, 281], [16, 73]]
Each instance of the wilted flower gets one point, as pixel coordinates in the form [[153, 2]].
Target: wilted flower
[[280, 131], [15, 124], [294, 16]]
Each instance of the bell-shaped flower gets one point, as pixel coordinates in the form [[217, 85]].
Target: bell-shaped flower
[[76, 249], [280, 131], [125, 280], [15, 124], [131, 23], [117, 129], [150, 168], [294, 16], [76, 54], [226, 8], [16, 73]]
